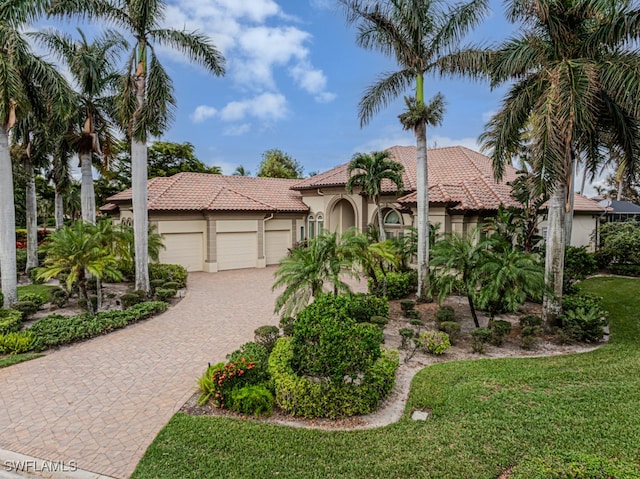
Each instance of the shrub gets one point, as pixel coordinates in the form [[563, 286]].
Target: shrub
[[163, 294], [141, 294], [479, 339], [330, 344], [27, 308], [256, 400], [171, 285], [169, 272], [301, 396], [407, 304], [528, 336], [575, 466], [626, 269], [157, 283], [362, 307], [33, 275], [584, 324], [266, 336], [34, 298], [255, 353], [578, 264], [10, 321], [499, 329], [406, 335], [379, 321], [21, 260], [206, 385], [413, 314], [434, 342], [1, 299], [530, 320], [445, 313], [129, 299], [17, 342], [231, 376], [59, 297], [286, 325], [399, 284], [452, 329]]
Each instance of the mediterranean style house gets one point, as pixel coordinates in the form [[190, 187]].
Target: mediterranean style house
[[214, 222]]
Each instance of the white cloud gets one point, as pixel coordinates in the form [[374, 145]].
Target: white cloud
[[237, 130], [267, 106], [323, 4], [406, 138], [202, 113], [312, 80], [437, 141]]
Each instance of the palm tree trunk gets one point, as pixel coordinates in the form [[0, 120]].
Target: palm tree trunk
[[59, 208], [619, 193], [423, 211], [87, 193], [569, 203], [382, 236], [554, 258], [7, 224], [472, 307], [32, 216]]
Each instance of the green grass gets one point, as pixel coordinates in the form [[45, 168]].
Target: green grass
[[41, 290], [487, 415], [6, 361]]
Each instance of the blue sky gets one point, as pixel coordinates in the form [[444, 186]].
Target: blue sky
[[294, 79]]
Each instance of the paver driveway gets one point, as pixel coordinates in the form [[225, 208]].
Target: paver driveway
[[102, 402]]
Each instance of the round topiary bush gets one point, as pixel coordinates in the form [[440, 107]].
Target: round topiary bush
[[452, 329], [27, 308], [499, 330], [445, 313], [266, 336], [434, 342], [479, 339]]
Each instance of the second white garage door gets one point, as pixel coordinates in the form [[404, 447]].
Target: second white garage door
[[185, 249], [277, 245], [236, 250]]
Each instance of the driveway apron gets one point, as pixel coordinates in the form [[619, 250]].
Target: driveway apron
[[99, 404]]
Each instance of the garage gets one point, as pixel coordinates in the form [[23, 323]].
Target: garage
[[277, 245], [236, 250], [186, 249]]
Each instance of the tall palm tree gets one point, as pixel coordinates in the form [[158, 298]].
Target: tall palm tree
[[241, 171], [92, 67], [423, 36], [21, 74], [368, 171], [145, 100], [576, 81]]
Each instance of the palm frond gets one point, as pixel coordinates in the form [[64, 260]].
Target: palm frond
[[194, 45], [388, 87]]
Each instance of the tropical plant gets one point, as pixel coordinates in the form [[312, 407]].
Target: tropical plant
[[145, 99], [423, 37], [277, 164], [575, 77], [368, 171], [24, 82], [241, 171]]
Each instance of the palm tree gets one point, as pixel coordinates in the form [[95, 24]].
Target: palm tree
[[92, 67], [145, 99], [423, 38], [241, 171], [368, 171], [22, 74], [576, 82]]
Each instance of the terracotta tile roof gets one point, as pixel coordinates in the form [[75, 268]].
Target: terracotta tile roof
[[582, 203], [206, 192]]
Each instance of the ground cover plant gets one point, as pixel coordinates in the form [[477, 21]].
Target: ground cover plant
[[7, 361], [486, 416]]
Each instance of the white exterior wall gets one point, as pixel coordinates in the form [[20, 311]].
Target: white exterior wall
[[583, 227]]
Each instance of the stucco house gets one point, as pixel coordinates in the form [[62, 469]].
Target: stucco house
[[214, 222]]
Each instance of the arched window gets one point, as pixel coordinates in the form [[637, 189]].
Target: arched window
[[392, 224], [311, 226], [319, 223], [392, 218]]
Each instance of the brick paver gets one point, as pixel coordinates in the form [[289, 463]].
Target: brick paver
[[102, 402]]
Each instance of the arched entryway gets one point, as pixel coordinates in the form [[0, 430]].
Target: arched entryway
[[342, 216]]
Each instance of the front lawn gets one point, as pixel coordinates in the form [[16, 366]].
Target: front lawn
[[486, 416], [42, 290]]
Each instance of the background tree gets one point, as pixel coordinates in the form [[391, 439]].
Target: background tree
[[368, 171], [423, 37], [241, 171], [167, 159], [23, 74], [145, 99], [277, 164], [576, 84]]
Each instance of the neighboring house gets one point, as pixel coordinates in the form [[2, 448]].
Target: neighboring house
[[214, 222], [620, 210]]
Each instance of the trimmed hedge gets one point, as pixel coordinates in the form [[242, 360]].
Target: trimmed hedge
[[56, 330], [399, 284], [169, 273], [300, 396], [362, 307], [10, 321]]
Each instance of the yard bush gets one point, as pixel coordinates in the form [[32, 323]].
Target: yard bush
[[379, 321], [17, 342], [399, 284], [445, 313], [452, 329], [362, 307], [21, 260], [578, 264], [129, 299], [302, 396], [254, 400], [286, 325], [625, 269], [33, 297], [529, 336], [434, 342], [266, 336], [530, 320], [34, 275], [499, 329], [169, 272], [220, 381], [582, 318], [413, 314], [575, 466], [406, 335], [59, 297], [407, 304], [27, 308], [165, 294], [257, 354], [329, 343], [10, 320], [479, 339]]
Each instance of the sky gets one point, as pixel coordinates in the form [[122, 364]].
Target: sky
[[294, 77]]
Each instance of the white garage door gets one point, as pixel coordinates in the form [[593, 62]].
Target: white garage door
[[237, 250], [185, 249], [277, 245]]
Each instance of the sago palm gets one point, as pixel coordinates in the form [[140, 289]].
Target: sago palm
[[368, 171], [423, 36], [21, 74], [575, 74], [145, 100]]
